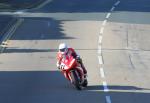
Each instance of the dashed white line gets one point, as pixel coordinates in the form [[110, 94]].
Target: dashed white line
[[108, 15], [108, 100], [112, 9], [102, 72], [100, 59], [99, 49], [105, 87], [102, 30], [117, 3], [100, 39], [104, 22]]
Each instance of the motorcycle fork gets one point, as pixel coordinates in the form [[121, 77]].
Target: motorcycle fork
[[78, 75]]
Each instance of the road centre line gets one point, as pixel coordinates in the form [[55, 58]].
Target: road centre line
[[100, 39], [104, 22], [101, 30], [102, 73], [100, 60], [100, 57], [117, 3], [112, 9], [105, 86], [108, 15], [99, 49], [108, 100]]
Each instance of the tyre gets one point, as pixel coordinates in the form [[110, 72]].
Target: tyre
[[76, 80], [85, 83]]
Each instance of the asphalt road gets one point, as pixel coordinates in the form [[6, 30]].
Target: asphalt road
[[7, 5], [5, 22], [28, 64]]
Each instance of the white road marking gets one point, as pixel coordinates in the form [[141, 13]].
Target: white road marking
[[99, 49], [100, 39], [100, 59], [112, 9], [105, 87], [108, 15], [102, 72], [9, 33], [102, 30], [104, 22], [108, 100], [117, 3], [43, 4]]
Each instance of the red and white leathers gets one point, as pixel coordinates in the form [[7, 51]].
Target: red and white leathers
[[70, 51]]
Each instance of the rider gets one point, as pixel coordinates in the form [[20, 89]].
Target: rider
[[65, 50]]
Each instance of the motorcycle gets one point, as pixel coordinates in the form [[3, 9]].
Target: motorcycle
[[73, 71]]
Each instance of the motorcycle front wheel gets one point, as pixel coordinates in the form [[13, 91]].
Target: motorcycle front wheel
[[76, 80]]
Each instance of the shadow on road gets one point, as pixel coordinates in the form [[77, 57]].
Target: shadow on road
[[51, 86], [84, 6], [76, 6], [18, 50], [40, 29], [111, 87]]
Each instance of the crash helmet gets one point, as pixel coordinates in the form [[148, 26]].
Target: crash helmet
[[63, 48]]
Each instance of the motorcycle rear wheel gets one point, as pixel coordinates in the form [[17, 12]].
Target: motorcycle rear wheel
[[85, 83]]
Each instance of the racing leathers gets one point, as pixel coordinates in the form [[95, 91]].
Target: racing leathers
[[72, 52]]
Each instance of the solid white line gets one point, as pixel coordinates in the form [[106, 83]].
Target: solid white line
[[108, 100], [100, 59], [112, 9], [102, 72], [117, 3], [108, 15], [105, 87], [104, 22], [102, 30]]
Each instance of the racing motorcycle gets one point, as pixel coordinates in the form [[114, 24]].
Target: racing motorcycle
[[73, 71]]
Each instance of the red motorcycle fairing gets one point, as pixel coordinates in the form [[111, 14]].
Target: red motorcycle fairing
[[69, 64], [79, 73]]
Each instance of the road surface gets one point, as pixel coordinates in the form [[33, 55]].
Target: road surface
[[111, 36]]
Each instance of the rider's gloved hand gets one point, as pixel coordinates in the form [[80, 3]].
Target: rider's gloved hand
[[78, 58], [58, 66]]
